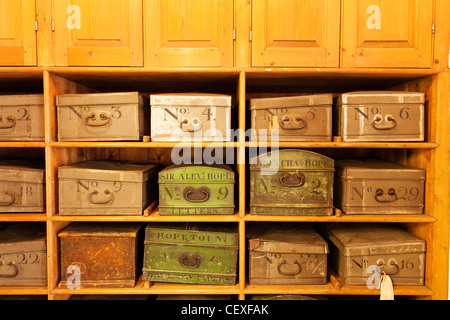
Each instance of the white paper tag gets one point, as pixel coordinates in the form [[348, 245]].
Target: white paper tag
[[387, 289]]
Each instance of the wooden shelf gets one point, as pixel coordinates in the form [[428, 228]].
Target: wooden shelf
[[374, 145], [329, 289], [153, 217], [25, 217], [397, 218], [25, 290], [21, 144], [120, 144], [155, 288]]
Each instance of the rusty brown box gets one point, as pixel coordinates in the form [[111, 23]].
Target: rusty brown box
[[23, 255], [22, 187], [374, 186], [286, 254], [101, 254], [107, 187], [357, 249], [295, 118], [22, 117], [116, 116], [190, 117], [380, 116]]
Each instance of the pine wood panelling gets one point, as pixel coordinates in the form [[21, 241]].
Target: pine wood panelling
[[17, 33], [98, 33], [302, 33], [194, 33], [386, 33]]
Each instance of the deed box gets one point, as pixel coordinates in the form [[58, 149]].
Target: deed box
[[297, 118], [373, 186], [117, 116], [380, 116], [107, 187], [22, 117]]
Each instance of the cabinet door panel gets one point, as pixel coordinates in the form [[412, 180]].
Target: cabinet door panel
[[17, 33], [194, 33], [98, 32], [295, 33], [386, 33]]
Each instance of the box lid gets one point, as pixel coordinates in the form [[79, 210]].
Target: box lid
[[377, 169], [191, 173], [193, 234], [101, 229], [21, 99], [285, 238], [21, 170], [190, 99], [80, 99], [110, 170], [291, 159], [354, 239], [379, 97], [291, 101], [23, 237]]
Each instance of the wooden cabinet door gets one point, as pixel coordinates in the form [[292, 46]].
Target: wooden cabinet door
[[189, 33], [17, 33], [98, 33], [295, 33], [386, 33]]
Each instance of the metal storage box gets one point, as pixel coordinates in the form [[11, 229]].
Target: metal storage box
[[380, 116], [378, 187], [357, 246], [198, 253], [107, 187], [23, 255], [291, 182], [297, 118], [286, 254], [22, 187], [196, 189], [105, 254], [118, 116], [22, 117], [190, 117]]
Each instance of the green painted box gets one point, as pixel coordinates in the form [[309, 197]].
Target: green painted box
[[193, 189], [195, 253], [291, 182]]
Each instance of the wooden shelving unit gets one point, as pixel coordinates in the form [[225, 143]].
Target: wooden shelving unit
[[243, 81]]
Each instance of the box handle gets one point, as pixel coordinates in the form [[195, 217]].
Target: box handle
[[289, 273], [190, 261], [392, 263], [192, 194], [298, 123], [106, 192], [379, 195], [10, 202], [9, 123], [292, 180], [388, 123], [14, 272], [97, 120], [196, 125]]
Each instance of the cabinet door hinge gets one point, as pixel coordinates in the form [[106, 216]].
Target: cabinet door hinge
[[35, 25], [432, 28], [53, 25], [250, 35], [234, 34]]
